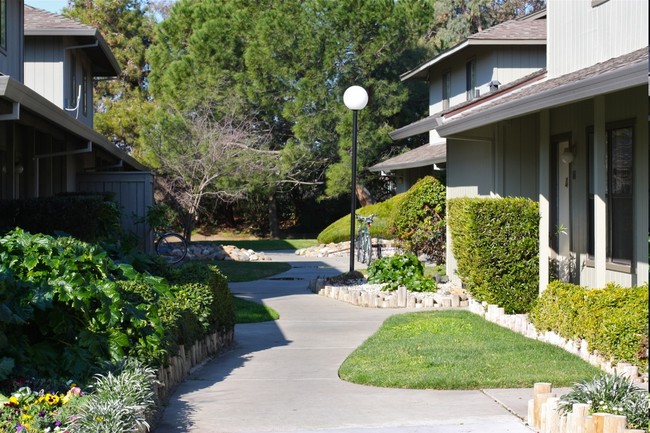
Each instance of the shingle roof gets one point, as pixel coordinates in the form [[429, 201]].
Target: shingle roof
[[428, 154], [521, 31], [41, 22], [514, 30]]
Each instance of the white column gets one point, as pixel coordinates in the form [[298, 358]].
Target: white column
[[544, 194], [640, 199], [600, 189]]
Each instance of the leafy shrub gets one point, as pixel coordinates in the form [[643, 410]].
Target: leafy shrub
[[613, 320], [221, 308], [65, 306], [400, 270], [419, 221], [339, 230], [122, 399], [89, 217], [495, 243], [610, 394]]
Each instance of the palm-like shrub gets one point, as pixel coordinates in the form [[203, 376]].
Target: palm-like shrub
[[610, 394]]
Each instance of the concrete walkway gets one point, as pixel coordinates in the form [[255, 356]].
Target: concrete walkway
[[282, 376]]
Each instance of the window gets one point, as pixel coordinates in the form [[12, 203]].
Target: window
[[84, 94], [3, 24], [446, 89], [73, 82], [620, 177], [470, 79]]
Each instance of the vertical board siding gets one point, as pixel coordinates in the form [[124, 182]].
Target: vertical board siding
[[133, 194], [11, 59], [44, 68], [580, 35]]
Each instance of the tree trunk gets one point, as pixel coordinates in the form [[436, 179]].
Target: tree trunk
[[363, 196], [273, 217]]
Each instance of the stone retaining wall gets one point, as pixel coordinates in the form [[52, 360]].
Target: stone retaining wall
[[371, 295]]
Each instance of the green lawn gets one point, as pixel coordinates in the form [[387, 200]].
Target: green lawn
[[458, 350], [267, 244], [251, 312], [250, 271], [248, 311]]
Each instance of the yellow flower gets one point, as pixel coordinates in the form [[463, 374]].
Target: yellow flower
[[13, 400], [27, 417], [52, 399]]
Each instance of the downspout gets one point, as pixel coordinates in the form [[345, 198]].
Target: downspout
[[78, 47]]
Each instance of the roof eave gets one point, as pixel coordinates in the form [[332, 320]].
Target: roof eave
[[406, 165], [107, 68], [622, 78], [421, 72], [419, 127], [18, 92]]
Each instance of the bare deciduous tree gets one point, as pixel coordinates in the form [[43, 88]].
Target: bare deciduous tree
[[198, 155]]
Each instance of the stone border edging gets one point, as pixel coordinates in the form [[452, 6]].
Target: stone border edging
[[372, 296]]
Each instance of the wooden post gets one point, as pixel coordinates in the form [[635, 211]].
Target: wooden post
[[614, 423], [577, 420], [541, 392], [589, 424], [552, 415]]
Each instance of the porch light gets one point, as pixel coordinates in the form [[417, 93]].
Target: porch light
[[567, 156], [355, 98]]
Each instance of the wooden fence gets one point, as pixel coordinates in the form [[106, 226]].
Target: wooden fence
[[180, 365], [544, 416]]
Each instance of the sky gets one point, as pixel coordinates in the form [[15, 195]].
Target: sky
[[49, 5]]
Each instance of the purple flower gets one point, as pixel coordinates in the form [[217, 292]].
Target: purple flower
[[57, 423], [41, 413], [19, 427]]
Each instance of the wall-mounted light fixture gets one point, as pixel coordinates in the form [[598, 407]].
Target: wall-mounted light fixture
[[567, 156], [19, 168]]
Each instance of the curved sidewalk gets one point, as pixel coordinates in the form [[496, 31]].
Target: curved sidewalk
[[282, 376]]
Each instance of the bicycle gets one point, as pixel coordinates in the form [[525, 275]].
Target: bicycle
[[170, 245], [363, 244]]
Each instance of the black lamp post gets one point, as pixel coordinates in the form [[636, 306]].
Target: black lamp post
[[355, 98]]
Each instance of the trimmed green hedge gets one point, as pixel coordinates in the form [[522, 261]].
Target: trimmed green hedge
[[495, 242], [613, 320], [419, 220], [339, 230], [88, 217]]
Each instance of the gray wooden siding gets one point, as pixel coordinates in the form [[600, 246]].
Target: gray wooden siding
[[580, 35], [11, 59], [48, 71], [470, 168], [505, 64], [133, 193], [517, 159], [44, 68]]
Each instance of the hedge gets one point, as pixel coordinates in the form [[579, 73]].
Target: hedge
[[419, 219], [495, 243], [88, 217], [339, 230], [613, 320]]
